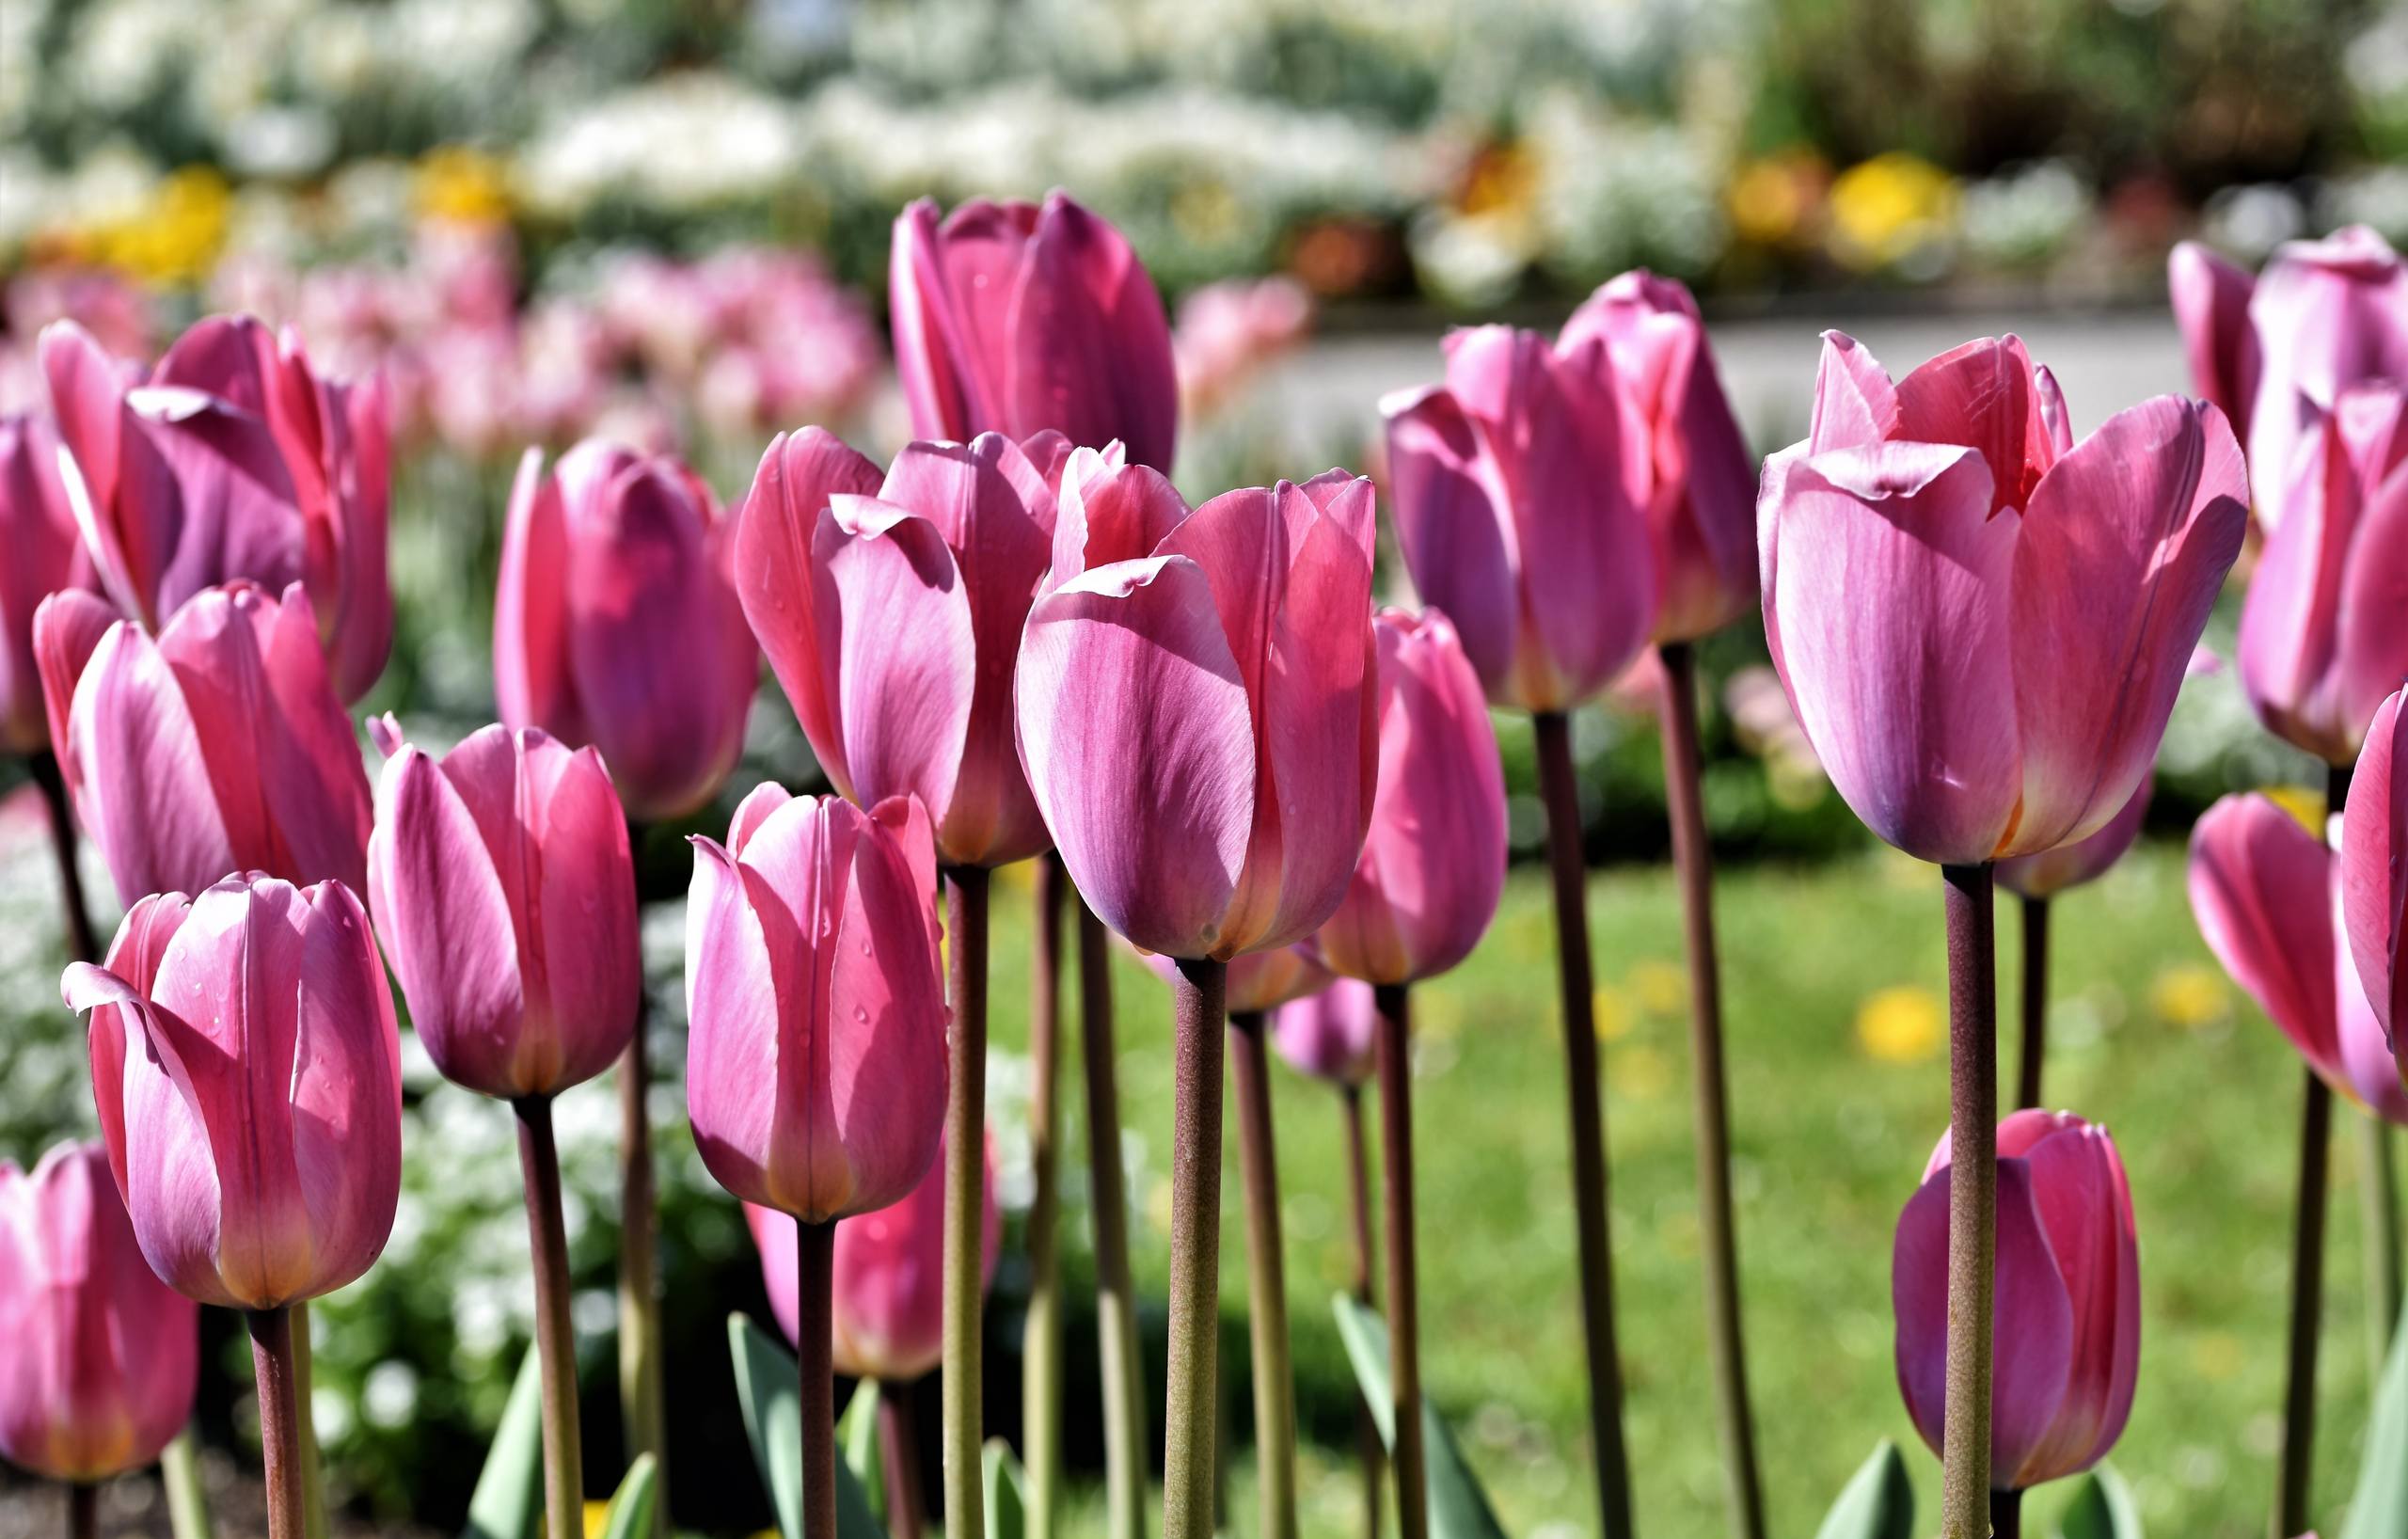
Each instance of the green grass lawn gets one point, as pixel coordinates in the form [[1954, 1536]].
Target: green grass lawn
[[1830, 1134]]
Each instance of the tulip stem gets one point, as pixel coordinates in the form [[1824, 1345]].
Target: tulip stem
[[899, 1441], [313, 1485], [81, 938], [187, 1505], [1193, 1401], [1560, 791], [1717, 1233], [965, 1132], [640, 1410], [1972, 1198], [2379, 1209], [83, 1510], [279, 1418], [1391, 1052], [1119, 1353], [1274, 1395], [2006, 1515], [2035, 1001], [814, 1302], [2307, 1306], [555, 1336], [1367, 1431], [1041, 1354]]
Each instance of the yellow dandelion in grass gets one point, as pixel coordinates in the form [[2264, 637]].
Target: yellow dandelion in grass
[[1612, 1011], [467, 186], [2305, 805], [1902, 1023], [1662, 989], [2189, 996]]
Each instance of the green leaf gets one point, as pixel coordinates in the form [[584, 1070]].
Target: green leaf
[[631, 1512], [1459, 1507], [509, 1499], [1878, 1502], [2379, 1506], [769, 1388], [857, 1434], [1007, 1493], [2102, 1508]]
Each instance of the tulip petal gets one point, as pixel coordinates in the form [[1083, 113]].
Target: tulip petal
[[943, 404], [1855, 404], [1110, 513], [2211, 299], [1981, 396], [2077, 1186], [2258, 885], [345, 1088], [1088, 350], [2374, 864], [886, 1066], [145, 792], [1451, 522], [67, 630], [737, 1090]]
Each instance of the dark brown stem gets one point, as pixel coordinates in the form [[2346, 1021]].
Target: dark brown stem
[[1392, 1049], [2035, 1001], [1200, 1018], [1118, 1355], [1367, 1433], [83, 1510], [899, 1442], [1042, 1351], [280, 1414], [555, 1336], [1274, 1397], [813, 1300], [2307, 1308], [640, 1409], [2006, 1515], [1972, 1199], [965, 1132], [81, 938], [1561, 792], [1717, 1233]]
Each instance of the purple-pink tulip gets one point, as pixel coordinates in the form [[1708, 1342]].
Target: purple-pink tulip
[[503, 890], [1328, 1035], [1198, 717], [816, 1074], [46, 555], [249, 1078], [220, 746], [616, 624], [2211, 297], [2051, 871], [1521, 491], [2374, 866], [2068, 1309], [2328, 314], [1017, 318], [1980, 623], [103, 1356]]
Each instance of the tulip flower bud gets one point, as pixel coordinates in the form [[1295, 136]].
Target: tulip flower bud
[[816, 1078], [247, 1074], [2051, 871], [1328, 1035], [2068, 1299], [103, 1356], [46, 555], [2328, 313], [504, 891], [2211, 299], [2374, 866], [616, 624]]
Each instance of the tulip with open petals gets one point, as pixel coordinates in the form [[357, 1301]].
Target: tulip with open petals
[[1328, 1034], [103, 1356], [2051, 871], [46, 555], [2067, 1305]]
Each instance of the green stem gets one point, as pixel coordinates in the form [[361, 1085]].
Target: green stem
[[1119, 1349], [1042, 1355], [965, 1130], [2308, 1306], [1392, 1045], [187, 1503], [280, 1419], [1374, 1456], [2379, 1212], [1274, 1394], [1199, 1017], [555, 1336], [313, 1479], [814, 1285], [1973, 1200], [641, 1414]]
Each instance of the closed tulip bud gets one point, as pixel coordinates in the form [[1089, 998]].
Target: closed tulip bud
[[815, 1076], [103, 1356], [2067, 1307], [616, 624], [1702, 484], [1258, 982], [1014, 318], [505, 896], [46, 555], [1434, 861], [2374, 866], [247, 1074], [220, 746], [2327, 313], [2051, 871], [2211, 299], [1980, 623], [1199, 723], [888, 1293], [1328, 1035]]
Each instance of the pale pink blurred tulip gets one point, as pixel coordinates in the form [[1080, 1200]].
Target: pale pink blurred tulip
[[1328, 1034], [2327, 313]]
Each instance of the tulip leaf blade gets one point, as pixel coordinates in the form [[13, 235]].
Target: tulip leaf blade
[[857, 1434], [1878, 1502], [630, 1516], [1459, 1507], [768, 1391], [2379, 1503], [2102, 1508], [508, 1499], [1007, 1493]]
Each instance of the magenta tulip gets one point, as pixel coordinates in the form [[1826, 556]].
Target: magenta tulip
[[1014, 318], [616, 624], [816, 1078], [2211, 306], [1259, 980], [2328, 314], [1982, 625], [103, 1356], [46, 555], [505, 896], [2068, 1305], [2374, 866], [2051, 871], [220, 746], [247, 1074], [1521, 489], [1328, 1035]]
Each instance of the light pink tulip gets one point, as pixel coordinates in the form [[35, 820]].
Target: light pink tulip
[[249, 1078], [1701, 487], [1328, 1035], [2068, 1303], [888, 1276], [616, 624], [45, 554], [1015, 318], [2327, 313], [1521, 489], [2051, 871], [505, 896], [2211, 298], [218, 747], [815, 1076], [103, 1356], [2324, 632], [2374, 866], [1980, 623], [1198, 718], [1259, 980]]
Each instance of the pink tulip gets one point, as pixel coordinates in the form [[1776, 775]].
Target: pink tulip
[[893, 616], [2324, 632], [1258, 982], [505, 896], [249, 1079], [2327, 313], [1982, 625], [1328, 1035], [2211, 306], [889, 1275], [2374, 866], [1701, 498], [815, 1076], [103, 1356], [1521, 490], [1014, 318], [616, 624], [2068, 1302], [1198, 717], [2266, 893], [218, 747], [1432, 865], [46, 555], [2051, 871]]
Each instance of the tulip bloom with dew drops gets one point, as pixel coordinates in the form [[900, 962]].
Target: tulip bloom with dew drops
[[2036, 879], [247, 1074]]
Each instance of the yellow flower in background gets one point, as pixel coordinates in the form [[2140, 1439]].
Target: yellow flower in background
[[1612, 1011], [464, 186], [2305, 805], [1902, 1023], [174, 237], [1661, 988], [1640, 1074], [597, 1519], [2189, 996], [1771, 201], [1889, 208]]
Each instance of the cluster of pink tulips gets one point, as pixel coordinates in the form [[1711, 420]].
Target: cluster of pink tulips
[[1019, 640]]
